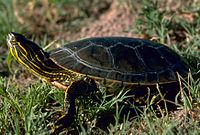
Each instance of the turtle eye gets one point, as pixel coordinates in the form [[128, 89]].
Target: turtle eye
[[13, 42]]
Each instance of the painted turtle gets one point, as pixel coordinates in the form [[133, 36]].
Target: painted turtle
[[79, 66]]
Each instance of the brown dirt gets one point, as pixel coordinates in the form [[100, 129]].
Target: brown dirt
[[115, 22]]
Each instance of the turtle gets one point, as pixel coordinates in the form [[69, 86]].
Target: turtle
[[79, 67]]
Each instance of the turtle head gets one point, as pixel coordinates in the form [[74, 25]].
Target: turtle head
[[25, 51], [21, 47], [32, 56]]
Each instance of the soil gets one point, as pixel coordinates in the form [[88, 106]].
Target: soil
[[115, 22]]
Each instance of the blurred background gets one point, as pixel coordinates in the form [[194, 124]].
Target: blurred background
[[173, 23]]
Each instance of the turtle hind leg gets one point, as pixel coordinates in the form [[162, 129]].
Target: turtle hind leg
[[78, 88]]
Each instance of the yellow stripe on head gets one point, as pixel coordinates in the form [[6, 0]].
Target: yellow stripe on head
[[35, 59], [26, 53], [16, 56]]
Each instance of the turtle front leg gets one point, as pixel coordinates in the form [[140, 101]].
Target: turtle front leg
[[78, 88]]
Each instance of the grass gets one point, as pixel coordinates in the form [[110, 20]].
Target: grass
[[32, 109], [8, 20]]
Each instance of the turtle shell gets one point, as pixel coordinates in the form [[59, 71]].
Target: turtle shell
[[123, 59]]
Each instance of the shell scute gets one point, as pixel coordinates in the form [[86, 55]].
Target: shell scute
[[122, 59]]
